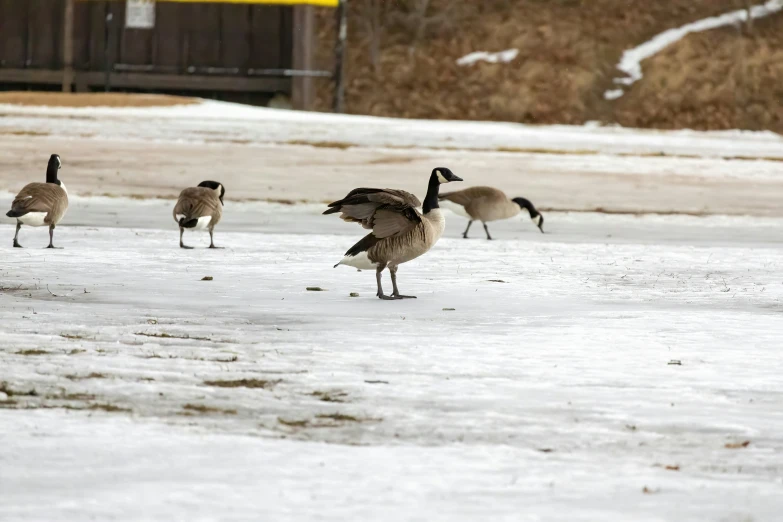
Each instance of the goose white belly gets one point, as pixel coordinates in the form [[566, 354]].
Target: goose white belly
[[33, 219], [360, 261], [203, 223]]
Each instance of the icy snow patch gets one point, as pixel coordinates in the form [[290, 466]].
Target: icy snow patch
[[483, 56], [631, 61]]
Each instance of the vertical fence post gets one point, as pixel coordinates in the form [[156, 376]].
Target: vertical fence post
[[339, 53], [107, 51], [302, 85], [68, 46]]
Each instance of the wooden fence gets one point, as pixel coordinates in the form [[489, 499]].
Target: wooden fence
[[249, 49]]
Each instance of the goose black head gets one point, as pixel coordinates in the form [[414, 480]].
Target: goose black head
[[52, 168], [535, 215], [444, 175], [217, 187]]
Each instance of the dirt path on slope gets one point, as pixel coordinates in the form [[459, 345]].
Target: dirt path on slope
[[303, 173]]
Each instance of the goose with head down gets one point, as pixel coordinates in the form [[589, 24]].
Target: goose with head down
[[400, 232], [200, 208], [488, 204]]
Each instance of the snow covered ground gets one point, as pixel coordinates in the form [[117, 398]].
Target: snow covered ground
[[226, 123], [596, 372], [618, 367], [282, 155]]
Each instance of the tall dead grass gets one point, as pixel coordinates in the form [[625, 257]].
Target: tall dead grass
[[568, 52]]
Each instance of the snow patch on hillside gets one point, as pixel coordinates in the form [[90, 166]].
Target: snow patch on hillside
[[631, 61]]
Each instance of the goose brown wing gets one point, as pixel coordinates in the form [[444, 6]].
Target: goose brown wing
[[41, 197], [360, 205], [466, 196], [196, 202], [389, 222]]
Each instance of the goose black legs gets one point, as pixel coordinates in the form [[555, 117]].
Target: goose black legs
[[380, 293], [212, 243], [181, 244], [51, 237], [396, 293], [465, 234], [487, 231], [16, 236]]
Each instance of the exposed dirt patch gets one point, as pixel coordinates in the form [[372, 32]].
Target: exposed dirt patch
[[58, 99], [340, 417], [245, 383], [13, 132], [33, 352], [330, 396], [92, 375], [190, 409]]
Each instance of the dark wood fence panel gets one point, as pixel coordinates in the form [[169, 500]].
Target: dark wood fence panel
[[215, 49], [265, 49], [45, 33], [168, 45], [13, 33], [235, 36], [197, 35]]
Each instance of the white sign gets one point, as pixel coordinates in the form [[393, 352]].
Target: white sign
[[140, 14]]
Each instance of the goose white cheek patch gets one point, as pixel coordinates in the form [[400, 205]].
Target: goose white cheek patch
[[537, 219], [441, 178]]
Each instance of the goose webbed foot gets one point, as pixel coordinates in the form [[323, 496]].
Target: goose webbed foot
[[400, 296], [17, 245], [388, 297], [185, 246], [54, 247], [217, 248]]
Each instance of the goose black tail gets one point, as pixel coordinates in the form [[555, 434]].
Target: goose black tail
[[191, 223], [15, 213]]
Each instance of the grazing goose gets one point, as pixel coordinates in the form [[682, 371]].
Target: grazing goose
[[399, 231], [200, 208], [488, 204], [39, 204]]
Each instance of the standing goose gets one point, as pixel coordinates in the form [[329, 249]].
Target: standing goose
[[488, 204], [400, 232], [200, 208], [39, 204]]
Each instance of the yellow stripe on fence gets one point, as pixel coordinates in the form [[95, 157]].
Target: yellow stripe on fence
[[323, 3]]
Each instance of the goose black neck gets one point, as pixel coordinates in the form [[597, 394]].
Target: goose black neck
[[526, 204], [431, 199], [51, 172]]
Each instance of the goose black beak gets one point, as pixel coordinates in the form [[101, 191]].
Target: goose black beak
[[455, 178]]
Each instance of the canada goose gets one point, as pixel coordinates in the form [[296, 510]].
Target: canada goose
[[488, 204], [399, 231], [200, 208], [39, 204]]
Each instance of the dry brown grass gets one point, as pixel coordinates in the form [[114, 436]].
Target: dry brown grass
[[721, 79], [58, 99], [568, 52]]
